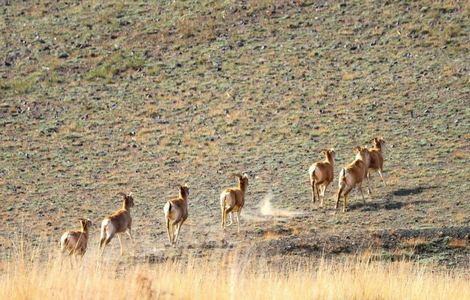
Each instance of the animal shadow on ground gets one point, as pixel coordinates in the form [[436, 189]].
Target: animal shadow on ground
[[412, 191], [388, 203], [375, 206]]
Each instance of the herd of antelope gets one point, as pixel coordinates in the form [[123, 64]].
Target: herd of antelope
[[232, 200]]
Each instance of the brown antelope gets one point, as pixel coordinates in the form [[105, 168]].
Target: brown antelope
[[352, 175], [233, 199], [75, 242], [376, 158], [176, 212], [120, 221], [321, 175]]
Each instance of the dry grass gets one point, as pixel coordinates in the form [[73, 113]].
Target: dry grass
[[28, 277]]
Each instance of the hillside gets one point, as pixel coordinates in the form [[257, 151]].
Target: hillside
[[98, 98]]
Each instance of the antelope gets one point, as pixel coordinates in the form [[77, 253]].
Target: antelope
[[233, 199], [321, 175], [352, 175], [176, 212], [120, 221], [376, 158], [75, 241]]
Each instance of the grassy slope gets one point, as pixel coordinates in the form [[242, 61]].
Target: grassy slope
[[98, 98]]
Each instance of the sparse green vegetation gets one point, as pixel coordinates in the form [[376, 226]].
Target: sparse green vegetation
[[20, 85], [114, 65]]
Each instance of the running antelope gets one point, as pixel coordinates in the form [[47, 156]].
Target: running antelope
[[75, 242], [352, 175], [233, 199], [321, 175], [176, 212], [119, 222], [376, 158]]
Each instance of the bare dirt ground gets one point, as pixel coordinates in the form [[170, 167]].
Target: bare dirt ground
[[98, 98]]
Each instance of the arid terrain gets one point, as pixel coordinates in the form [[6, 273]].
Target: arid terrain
[[101, 97]]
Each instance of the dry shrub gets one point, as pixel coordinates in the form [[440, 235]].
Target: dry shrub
[[457, 243], [414, 242], [348, 76], [461, 154], [271, 235]]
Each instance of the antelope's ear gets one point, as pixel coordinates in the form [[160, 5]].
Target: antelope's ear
[[245, 175], [357, 148], [130, 194], [332, 150]]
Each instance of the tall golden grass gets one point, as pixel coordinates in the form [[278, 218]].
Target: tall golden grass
[[31, 274]]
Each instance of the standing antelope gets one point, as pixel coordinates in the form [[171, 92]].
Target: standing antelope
[[352, 175], [120, 221], [176, 212], [75, 242], [321, 175], [233, 199], [376, 158]]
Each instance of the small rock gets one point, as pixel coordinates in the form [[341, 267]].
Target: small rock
[[124, 23], [63, 55]]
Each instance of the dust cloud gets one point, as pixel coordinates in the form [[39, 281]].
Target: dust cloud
[[266, 208]]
